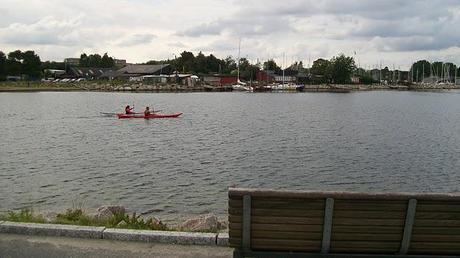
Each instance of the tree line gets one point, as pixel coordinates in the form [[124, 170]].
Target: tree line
[[338, 69], [17, 63], [424, 69]]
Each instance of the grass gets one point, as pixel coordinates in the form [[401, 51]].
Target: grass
[[24, 215], [77, 216]]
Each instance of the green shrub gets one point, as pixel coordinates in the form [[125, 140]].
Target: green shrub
[[75, 216], [24, 215]]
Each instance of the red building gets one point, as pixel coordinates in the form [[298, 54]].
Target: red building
[[265, 76], [220, 80]]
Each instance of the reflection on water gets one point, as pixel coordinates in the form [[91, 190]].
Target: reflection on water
[[56, 149]]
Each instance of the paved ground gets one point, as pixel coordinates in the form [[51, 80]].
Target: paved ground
[[40, 246]]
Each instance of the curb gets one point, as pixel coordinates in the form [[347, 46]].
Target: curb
[[149, 236], [166, 237], [222, 239], [51, 230]]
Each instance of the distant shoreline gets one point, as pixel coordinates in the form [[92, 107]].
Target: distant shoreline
[[142, 88]]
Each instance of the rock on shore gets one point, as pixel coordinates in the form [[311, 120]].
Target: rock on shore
[[207, 222], [107, 211]]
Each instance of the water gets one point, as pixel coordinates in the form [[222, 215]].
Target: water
[[56, 151]]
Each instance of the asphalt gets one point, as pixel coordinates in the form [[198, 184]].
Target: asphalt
[[12, 245]]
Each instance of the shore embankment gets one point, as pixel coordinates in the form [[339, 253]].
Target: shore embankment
[[116, 216], [114, 223], [105, 86]]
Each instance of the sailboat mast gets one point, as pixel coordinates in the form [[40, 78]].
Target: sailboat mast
[[455, 79], [238, 64], [284, 56]]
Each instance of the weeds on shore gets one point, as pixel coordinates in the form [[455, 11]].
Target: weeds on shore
[[24, 215], [77, 216]]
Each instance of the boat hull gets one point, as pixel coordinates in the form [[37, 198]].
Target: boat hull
[[151, 116]]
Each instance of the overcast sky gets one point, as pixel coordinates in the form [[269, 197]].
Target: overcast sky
[[389, 32]]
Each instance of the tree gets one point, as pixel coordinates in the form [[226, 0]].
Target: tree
[[2, 66], [95, 60], [420, 69], [341, 68], [272, 66], [106, 61], [31, 65], [83, 60], [200, 64], [185, 62], [14, 63], [321, 70], [247, 70]]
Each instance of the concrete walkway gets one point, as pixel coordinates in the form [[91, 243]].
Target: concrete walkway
[[12, 245]]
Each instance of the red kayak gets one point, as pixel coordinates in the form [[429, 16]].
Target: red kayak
[[157, 115]]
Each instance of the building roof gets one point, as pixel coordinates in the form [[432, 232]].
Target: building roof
[[143, 69], [89, 71]]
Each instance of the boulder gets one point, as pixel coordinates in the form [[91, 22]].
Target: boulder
[[206, 223], [107, 211]]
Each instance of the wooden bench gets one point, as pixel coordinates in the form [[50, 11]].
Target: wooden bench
[[268, 223]]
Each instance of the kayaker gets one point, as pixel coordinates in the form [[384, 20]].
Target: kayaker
[[147, 111], [129, 110]]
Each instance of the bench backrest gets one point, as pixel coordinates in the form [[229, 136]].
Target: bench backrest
[[344, 222]]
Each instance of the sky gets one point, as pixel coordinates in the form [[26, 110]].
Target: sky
[[392, 33]]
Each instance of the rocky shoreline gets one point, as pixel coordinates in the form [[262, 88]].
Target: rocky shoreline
[[116, 216], [140, 87]]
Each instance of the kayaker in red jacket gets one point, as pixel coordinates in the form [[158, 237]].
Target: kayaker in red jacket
[[147, 111], [129, 110]]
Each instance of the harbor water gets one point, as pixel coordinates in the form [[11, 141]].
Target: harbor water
[[57, 151]]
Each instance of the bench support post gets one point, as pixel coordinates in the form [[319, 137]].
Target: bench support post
[[246, 237], [408, 225], [327, 226]]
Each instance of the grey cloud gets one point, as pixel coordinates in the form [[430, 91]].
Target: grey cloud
[[213, 28], [416, 43], [177, 44], [46, 31], [240, 26], [137, 39], [219, 45]]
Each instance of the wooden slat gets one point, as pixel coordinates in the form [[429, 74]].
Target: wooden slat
[[281, 235], [438, 215], [369, 214], [280, 212], [366, 237], [436, 230], [278, 220], [447, 207], [364, 250], [368, 222], [280, 244], [437, 253], [434, 245], [436, 238], [279, 227], [436, 223], [281, 204], [265, 193], [368, 229], [357, 245], [285, 244], [358, 207]]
